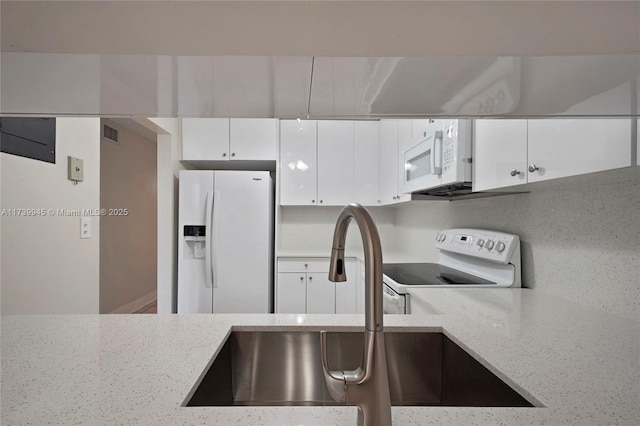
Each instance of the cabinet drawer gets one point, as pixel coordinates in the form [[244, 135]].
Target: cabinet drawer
[[316, 264], [303, 265]]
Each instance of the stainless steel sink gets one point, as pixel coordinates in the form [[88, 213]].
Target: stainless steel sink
[[266, 368]]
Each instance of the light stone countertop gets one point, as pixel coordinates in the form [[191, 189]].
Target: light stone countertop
[[579, 365]]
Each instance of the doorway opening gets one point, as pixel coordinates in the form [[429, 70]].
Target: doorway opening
[[128, 221]]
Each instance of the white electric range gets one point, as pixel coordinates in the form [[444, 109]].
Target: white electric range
[[468, 258]]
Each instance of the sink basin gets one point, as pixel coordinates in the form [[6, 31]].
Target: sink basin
[[266, 368]]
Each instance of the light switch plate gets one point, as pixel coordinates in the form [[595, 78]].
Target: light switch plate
[[76, 169], [85, 227]]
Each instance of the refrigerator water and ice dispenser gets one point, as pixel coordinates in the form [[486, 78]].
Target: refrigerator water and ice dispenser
[[195, 241]]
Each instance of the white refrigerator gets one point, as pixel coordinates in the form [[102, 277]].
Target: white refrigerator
[[225, 242]]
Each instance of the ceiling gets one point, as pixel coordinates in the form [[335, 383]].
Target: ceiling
[[322, 59]]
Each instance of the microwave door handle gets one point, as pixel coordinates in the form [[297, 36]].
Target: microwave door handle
[[437, 170]]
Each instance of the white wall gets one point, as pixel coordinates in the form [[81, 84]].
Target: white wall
[[169, 156], [308, 231], [128, 242], [581, 243], [46, 267]]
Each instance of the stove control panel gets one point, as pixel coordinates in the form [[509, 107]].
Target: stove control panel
[[481, 243]]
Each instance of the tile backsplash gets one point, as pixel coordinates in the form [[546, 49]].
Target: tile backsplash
[[581, 242]]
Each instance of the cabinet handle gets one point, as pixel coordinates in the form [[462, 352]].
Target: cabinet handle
[[320, 201], [224, 154], [515, 172], [306, 265], [310, 278], [301, 278], [533, 168], [313, 201], [233, 154]]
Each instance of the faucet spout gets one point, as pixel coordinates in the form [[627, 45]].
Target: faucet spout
[[368, 385]]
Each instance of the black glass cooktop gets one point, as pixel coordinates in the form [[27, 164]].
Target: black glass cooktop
[[428, 274]]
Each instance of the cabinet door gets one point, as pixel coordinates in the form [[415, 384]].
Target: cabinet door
[[366, 141], [291, 294], [568, 147], [335, 162], [205, 138], [298, 165], [388, 177], [346, 292], [321, 294], [253, 138], [500, 153]]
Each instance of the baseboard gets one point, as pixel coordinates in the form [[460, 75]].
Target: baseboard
[[137, 304]]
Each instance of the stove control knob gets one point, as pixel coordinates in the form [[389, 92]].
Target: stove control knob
[[489, 245], [443, 237], [500, 247], [480, 242]]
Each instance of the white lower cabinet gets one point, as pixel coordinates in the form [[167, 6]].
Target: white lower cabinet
[[292, 293], [321, 294], [303, 286]]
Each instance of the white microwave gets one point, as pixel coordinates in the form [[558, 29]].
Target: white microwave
[[441, 159]]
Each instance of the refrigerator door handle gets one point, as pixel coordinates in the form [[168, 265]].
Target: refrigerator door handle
[[215, 216], [208, 282]]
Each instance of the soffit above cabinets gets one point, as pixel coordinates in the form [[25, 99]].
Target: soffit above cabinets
[[320, 87], [146, 85], [475, 86]]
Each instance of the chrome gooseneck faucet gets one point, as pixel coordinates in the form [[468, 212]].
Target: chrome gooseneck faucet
[[368, 385]]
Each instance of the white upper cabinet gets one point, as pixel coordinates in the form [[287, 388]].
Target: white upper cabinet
[[568, 147], [205, 138], [222, 139], [512, 152], [366, 167], [500, 153], [391, 162], [388, 179], [253, 138], [335, 162], [298, 162]]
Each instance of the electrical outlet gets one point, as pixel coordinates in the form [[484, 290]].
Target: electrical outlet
[[76, 169], [85, 227]]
